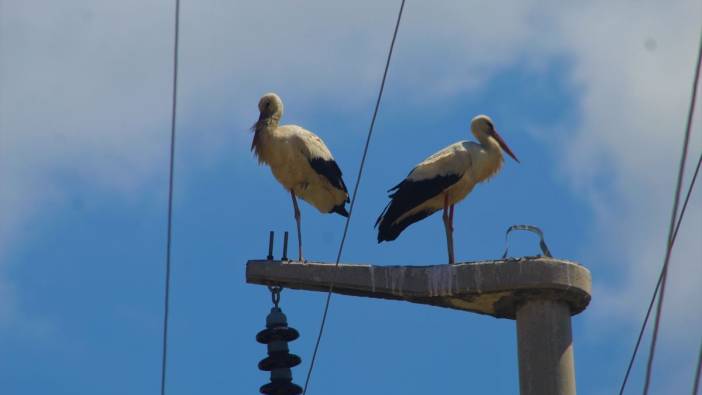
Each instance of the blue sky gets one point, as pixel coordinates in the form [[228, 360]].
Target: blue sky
[[591, 98]]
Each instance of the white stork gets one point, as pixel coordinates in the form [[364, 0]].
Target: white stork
[[442, 180], [300, 161]]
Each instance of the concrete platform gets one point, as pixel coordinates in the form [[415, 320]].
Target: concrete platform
[[495, 288]]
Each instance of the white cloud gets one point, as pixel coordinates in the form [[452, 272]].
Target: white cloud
[[83, 98], [634, 64], [625, 153], [86, 92]]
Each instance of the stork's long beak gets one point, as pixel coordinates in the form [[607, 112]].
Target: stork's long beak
[[504, 145]]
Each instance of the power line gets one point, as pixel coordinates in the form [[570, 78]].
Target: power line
[[169, 234], [696, 385], [681, 171], [353, 199], [660, 278]]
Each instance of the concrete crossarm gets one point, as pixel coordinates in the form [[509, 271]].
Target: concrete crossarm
[[494, 288]]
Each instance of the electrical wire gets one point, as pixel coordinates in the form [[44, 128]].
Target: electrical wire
[[696, 385], [660, 278], [169, 231], [353, 199], [666, 262]]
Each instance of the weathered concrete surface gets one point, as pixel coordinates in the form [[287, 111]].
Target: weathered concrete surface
[[545, 345], [495, 288]]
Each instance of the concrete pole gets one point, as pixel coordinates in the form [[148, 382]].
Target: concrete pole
[[540, 293], [545, 346]]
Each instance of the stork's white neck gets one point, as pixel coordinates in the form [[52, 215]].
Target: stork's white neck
[[262, 132], [268, 124], [490, 162]]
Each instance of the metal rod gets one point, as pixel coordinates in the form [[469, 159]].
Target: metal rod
[[271, 237], [285, 247]]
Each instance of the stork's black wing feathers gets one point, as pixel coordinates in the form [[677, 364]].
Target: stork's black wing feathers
[[405, 196], [329, 170]]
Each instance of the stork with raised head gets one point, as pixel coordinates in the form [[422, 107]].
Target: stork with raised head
[[300, 161], [442, 180]]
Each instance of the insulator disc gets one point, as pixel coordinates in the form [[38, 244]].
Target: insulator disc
[[279, 361], [281, 388], [283, 333]]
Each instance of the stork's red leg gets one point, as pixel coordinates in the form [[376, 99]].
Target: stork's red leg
[[297, 220], [451, 217], [448, 228]]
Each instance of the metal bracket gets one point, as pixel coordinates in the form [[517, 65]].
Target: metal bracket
[[532, 229]]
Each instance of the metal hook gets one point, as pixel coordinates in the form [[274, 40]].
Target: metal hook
[[532, 229], [275, 294]]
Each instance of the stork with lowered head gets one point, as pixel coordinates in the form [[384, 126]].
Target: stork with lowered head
[[300, 161]]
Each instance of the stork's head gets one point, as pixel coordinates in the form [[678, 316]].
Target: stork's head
[[483, 128], [270, 106]]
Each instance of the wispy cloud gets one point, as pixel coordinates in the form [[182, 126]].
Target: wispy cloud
[[623, 158], [86, 93]]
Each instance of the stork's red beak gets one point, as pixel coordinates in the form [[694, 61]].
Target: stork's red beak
[[504, 145]]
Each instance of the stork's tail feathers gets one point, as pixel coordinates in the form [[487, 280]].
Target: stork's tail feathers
[[406, 197], [340, 209], [390, 228], [380, 217], [382, 236]]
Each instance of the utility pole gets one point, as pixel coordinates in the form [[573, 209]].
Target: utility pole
[[540, 293]]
